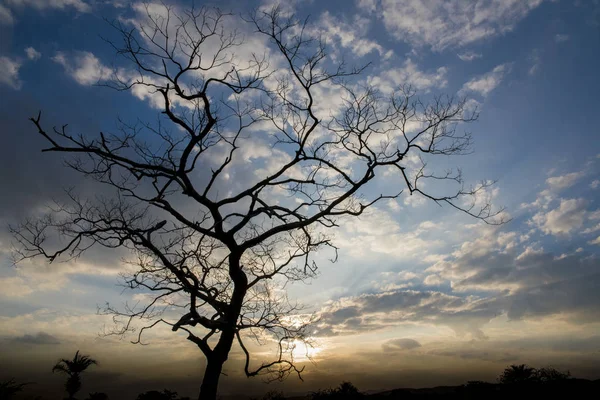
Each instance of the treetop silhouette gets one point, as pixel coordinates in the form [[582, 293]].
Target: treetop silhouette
[[73, 369]]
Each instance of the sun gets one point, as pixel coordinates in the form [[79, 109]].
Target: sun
[[305, 352]]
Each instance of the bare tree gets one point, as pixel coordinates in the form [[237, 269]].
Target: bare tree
[[212, 250]]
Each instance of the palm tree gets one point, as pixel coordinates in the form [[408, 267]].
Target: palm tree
[[73, 368]]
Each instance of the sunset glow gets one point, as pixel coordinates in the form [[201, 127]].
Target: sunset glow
[[401, 193]]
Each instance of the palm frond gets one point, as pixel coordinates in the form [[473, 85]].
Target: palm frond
[[61, 367]]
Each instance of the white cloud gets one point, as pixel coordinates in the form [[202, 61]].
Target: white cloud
[[376, 232], [85, 68], [428, 226], [9, 72], [20, 286], [6, 17], [561, 38], [118, 3], [562, 220], [350, 35], [287, 8], [595, 184], [486, 83], [400, 344], [53, 322], [554, 185], [410, 73], [532, 282], [79, 5], [433, 280], [371, 311], [534, 69], [415, 200], [393, 205], [469, 56], [596, 241], [449, 23], [558, 183], [536, 62], [591, 229], [406, 275], [32, 53], [368, 5]]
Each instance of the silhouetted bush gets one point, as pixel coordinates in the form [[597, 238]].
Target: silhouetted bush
[[346, 390], [517, 374], [273, 395], [552, 375], [479, 390], [97, 396], [164, 395], [479, 386], [523, 374], [9, 388]]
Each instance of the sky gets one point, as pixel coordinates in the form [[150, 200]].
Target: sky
[[420, 295]]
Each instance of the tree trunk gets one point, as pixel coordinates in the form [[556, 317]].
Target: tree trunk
[[214, 366], [210, 382]]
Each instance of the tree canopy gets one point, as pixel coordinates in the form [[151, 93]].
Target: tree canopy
[[213, 244]]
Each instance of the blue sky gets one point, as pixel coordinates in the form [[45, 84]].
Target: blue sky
[[427, 284]]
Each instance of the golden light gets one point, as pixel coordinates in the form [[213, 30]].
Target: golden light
[[304, 352]]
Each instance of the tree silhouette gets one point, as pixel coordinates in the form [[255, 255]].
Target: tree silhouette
[[156, 395], [345, 390], [73, 369], [273, 395], [518, 374], [216, 251], [97, 396], [9, 388], [549, 375]]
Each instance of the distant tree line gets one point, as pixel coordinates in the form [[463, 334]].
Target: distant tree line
[[520, 380]]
